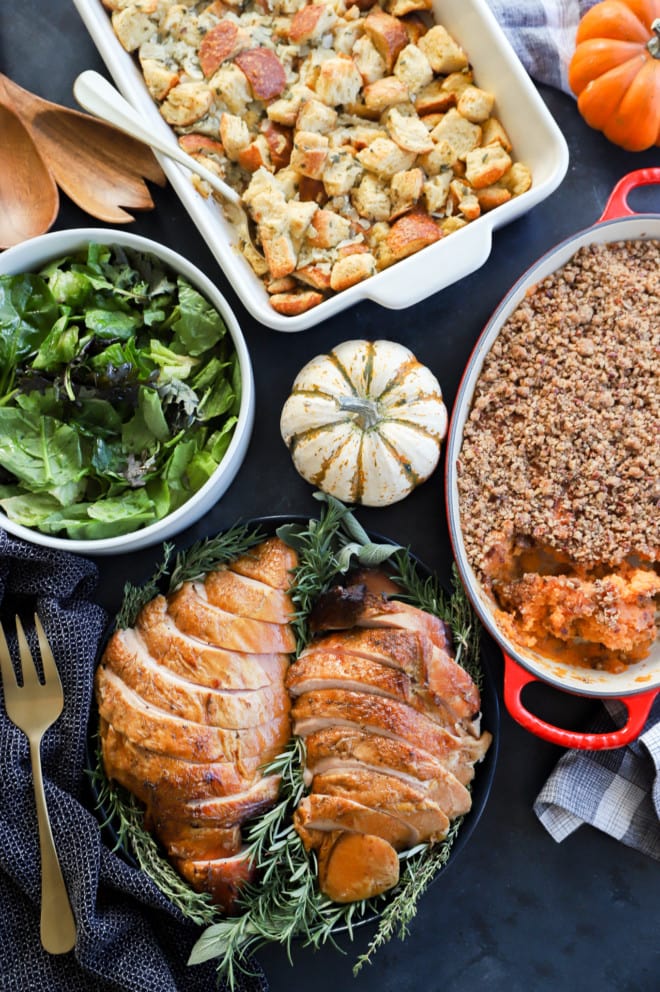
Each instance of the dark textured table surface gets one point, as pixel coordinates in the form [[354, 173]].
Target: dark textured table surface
[[515, 912]]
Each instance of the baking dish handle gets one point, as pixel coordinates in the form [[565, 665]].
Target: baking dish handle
[[516, 678], [402, 285], [617, 205]]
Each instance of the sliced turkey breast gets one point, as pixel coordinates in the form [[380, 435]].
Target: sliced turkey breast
[[329, 670], [153, 728], [223, 811], [428, 666], [356, 866], [318, 814], [386, 717], [354, 606], [194, 614], [386, 793], [247, 597], [342, 749], [271, 561], [223, 878], [197, 839], [201, 662], [146, 772], [128, 656]]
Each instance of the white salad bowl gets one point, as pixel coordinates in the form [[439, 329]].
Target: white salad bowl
[[33, 255]]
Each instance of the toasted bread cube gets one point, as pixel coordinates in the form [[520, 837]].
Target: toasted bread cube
[[316, 116], [461, 134], [158, 78], [316, 274], [388, 35], [341, 172], [406, 188], [310, 23], [407, 235], [310, 153], [415, 27], [453, 223], [299, 216], [235, 135], [256, 155], [280, 254], [384, 157], [351, 269], [223, 41], [283, 285], [371, 198], [485, 165], [186, 103], [368, 59], [492, 133], [413, 68], [339, 81], [231, 89], [518, 179], [399, 8], [409, 133], [475, 104], [441, 157], [434, 98], [264, 197], [436, 191], [346, 35], [464, 199], [443, 52], [280, 142], [327, 229], [201, 144], [264, 72], [133, 27], [384, 93], [292, 304], [491, 197], [285, 110]]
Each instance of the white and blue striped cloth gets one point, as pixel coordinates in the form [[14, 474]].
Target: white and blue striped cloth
[[616, 791], [542, 32]]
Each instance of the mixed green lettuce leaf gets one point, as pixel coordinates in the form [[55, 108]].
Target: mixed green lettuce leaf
[[119, 393]]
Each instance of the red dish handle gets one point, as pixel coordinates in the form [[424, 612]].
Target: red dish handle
[[617, 205], [516, 678]]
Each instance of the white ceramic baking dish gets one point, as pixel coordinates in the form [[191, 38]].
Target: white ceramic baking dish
[[536, 139], [638, 686]]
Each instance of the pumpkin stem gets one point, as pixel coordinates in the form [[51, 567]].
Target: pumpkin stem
[[366, 410], [653, 44]]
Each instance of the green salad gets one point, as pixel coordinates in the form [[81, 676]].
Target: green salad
[[119, 393]]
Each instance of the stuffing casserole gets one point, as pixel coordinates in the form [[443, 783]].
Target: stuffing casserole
[[356, 134]]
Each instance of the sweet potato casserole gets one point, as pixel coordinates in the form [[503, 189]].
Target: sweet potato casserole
[[559, 470], [356, 132]]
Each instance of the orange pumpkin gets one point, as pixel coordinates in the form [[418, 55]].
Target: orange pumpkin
[[615, 71]]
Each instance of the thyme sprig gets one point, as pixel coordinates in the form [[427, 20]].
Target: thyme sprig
[[286, 904]]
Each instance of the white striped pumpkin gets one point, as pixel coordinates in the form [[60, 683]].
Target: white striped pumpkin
[[365, 423]]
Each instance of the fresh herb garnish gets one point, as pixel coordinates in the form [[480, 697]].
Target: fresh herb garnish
[[119, 393], [286, 904]]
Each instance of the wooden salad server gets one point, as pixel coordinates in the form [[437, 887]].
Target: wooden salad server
[[29, 199], [99, 167]]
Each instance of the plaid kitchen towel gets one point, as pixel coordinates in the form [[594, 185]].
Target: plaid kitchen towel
[[616, 791], [542, 32], [130, 938]]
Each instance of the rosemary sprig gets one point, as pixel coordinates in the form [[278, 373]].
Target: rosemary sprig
[[210, 553], [135, 597]]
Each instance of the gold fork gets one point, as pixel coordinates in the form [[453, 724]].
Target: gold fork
[[33, 707]]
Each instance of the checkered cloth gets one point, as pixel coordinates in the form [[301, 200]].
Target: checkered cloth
[[616, 791], [542, 32], [129, 937]]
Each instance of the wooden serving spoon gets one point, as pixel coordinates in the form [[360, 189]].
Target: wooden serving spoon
[[99, 167], [29, 199]]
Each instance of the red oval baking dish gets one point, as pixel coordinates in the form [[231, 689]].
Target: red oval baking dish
[[639, 684]]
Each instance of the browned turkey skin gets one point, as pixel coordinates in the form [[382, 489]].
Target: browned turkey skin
[[193, 704], [392, 730]]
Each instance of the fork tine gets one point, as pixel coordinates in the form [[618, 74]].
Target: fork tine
[[28, 669], [48, 664], [6, 666]]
